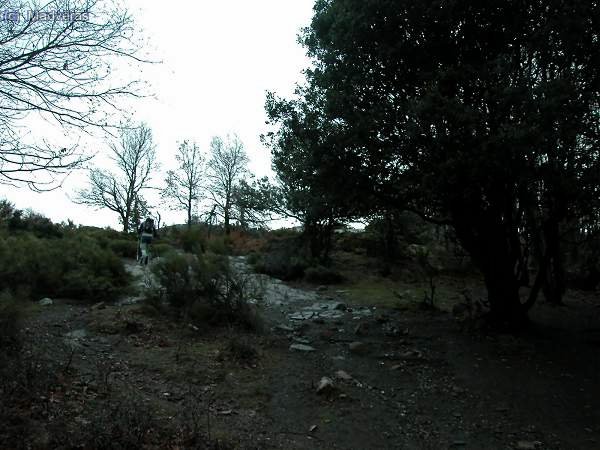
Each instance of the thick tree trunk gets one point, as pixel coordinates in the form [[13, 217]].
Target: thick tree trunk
[[554, 275], [492, 253], [227, 224], [502, 285]]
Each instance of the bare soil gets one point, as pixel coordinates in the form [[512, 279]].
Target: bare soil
[[417, 380]]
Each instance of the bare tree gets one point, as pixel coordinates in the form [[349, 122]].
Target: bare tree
[[57, 59], [135, 158], [183, 184], [227, 165]]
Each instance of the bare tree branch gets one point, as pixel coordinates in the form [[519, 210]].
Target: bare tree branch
[[57, 59], [134, 156], [227, 166], [183, 185]]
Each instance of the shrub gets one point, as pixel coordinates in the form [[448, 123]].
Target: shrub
[[127, 248], [322, 275], [241, 350], [74, 267], [10, 315], [30, 221], [192, 240], [219, 245], [204, 290], [161, 249], [283, 260]]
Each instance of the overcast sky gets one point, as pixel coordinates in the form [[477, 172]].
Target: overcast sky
[[218, 60]]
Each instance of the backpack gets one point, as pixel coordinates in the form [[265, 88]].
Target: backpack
[[148, 227]]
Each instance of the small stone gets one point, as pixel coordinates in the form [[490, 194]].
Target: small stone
[[284, 328], [339, 306], [319, 320], [77, 334], [361, 329], [321, 288], [312, 428], [100, 305], [357, 348], [396, 367], [301, 340], [46, 302], [325, 386], [302, 348], [343, 375]]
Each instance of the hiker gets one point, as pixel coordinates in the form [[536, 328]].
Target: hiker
[[146, 233]]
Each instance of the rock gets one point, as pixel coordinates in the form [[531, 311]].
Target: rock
[[412, 354], [302, 348], [343, 375], [100, 305], [358, 348], [339, 306], [301, 340], [77, 334], [396, 367], [319, 320], [285, 328], [322, 288], [331, 314], [361, 329], [312, 428], [303, 315], [46, 302], [325, 386]]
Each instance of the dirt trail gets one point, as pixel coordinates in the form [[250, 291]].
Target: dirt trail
[[410, 380], [417, 381]]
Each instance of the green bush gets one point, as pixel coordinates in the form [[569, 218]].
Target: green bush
[[192, 240], [75, 267], [322, 275], [254, 258], [283, 261], [127, 248], [241, 350], [161, 249], [10, 315], [219, 245], [204, 290], [29, 221]]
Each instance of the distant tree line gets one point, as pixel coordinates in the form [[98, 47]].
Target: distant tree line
[[217, 182]]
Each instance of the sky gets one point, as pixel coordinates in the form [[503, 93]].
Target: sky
[[218, 59]]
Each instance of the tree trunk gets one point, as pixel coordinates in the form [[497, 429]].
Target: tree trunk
[[189, 217], [554, 275], [492, 253], [502, 286], [125, 219], [227, 219]]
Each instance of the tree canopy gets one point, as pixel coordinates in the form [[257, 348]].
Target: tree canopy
[[482, 117]]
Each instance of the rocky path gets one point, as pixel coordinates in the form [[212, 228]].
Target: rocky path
[[330, 375], [354, 378]]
